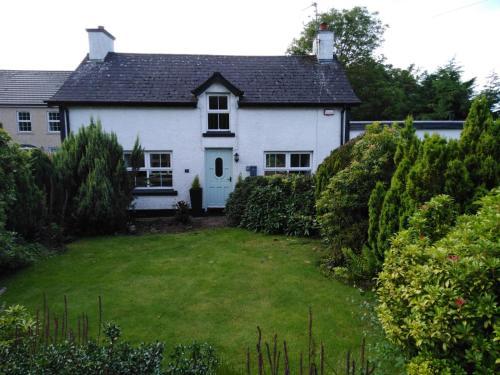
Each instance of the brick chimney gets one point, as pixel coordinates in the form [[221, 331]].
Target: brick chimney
[[323, 44], [100, 43]]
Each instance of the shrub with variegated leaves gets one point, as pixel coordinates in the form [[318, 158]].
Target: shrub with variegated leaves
[[439, 288]]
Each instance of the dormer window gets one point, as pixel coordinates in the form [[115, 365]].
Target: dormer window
[[218, 112]]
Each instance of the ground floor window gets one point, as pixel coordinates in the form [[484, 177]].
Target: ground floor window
[[285, 162], [155, 170]]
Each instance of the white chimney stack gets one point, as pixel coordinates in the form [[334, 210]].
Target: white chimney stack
[[323, 44], [100, 43]]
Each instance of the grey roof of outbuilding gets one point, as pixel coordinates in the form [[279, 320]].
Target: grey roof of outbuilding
[[29, 87], [170, 79]]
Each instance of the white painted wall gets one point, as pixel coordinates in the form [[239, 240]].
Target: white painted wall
[[99, 44], [179, 130], [446, 133]]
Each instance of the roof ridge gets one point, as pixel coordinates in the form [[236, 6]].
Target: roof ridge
[[205, 55], [34, 71]]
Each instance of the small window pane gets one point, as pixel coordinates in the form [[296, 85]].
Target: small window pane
[[300, 160], [275, 160], [219, 167], [223, 102], [305, 161], [24, 116], [213, 103], [160, 160], [141, 179], [160, 179], [126, 158], [224, 121], [280, 161], [54, 116], [213, 123]]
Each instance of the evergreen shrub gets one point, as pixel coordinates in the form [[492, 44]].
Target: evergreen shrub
[[97, 190], [276, 204], [438, 290]]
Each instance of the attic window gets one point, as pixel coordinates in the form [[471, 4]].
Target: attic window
[[218, 112]]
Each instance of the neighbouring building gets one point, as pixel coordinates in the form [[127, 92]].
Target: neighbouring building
[[24, 113], [450, 129], [212, 116]]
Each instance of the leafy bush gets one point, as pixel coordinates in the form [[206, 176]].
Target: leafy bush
[[97, 189], [72, 358], [277, 204], [22, 206], [439, 291], [16, 253], [20, 353], [238, 199], [343, 206], [182, 213], [15, 321], [194, 359], [465, 170], [338, 159]]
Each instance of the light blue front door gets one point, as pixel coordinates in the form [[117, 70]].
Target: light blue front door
[[219, 175]]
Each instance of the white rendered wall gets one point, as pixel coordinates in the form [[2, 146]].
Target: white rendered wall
[[179, 130], [99, 45], [446, 133]]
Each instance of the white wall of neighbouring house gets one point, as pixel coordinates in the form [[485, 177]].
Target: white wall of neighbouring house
[[180, 130], [446, 133]]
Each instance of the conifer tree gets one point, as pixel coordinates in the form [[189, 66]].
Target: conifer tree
[[374, 208], [97, 189], [480, 147], [394, 210]]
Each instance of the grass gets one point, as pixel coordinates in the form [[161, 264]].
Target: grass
[[212, 285]]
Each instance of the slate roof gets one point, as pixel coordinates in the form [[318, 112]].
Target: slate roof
[[170, 79], [29, 87]]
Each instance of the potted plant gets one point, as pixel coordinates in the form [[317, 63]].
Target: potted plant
[[196, 195]]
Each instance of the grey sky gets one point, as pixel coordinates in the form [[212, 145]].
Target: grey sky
[[50, 34]]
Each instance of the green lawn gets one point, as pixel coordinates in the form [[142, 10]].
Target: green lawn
[[213, 285]]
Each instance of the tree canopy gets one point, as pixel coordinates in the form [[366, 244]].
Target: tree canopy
[[387, 92], [357, 34]]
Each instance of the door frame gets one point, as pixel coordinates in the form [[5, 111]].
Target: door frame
[[231, 164]]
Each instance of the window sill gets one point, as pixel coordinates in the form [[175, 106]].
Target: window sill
[[218, 134], [154, 192]]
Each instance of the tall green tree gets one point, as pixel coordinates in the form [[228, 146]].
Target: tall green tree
[[491, 91], [358, 33], [480, 146], [443, 95], [395, 206], [97, 189]]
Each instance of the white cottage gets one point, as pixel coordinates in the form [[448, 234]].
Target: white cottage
[[216, 117]]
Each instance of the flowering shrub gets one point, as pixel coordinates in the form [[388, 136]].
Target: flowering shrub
[[439, 291]]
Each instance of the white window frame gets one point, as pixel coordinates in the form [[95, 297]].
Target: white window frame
[[219, 111], [19, 122], [148, 169], [288, 165], [49, 121]]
